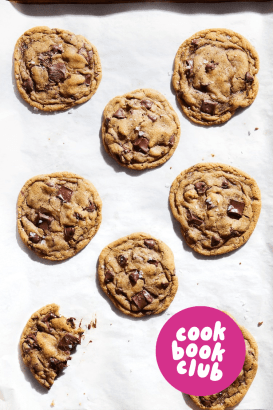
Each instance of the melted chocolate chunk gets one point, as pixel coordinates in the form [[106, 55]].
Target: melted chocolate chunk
[[70, 321], [141, 144], [249, 78], [225, 184], [90, 55], [205, 402], [126, 149], [235, 209], [68, 233], [189, 68], [120, 114], [48, 317], [87, 79], [210, 67], [64, 194], [56, 364], [68, 342], [215, 241], [147, 296], [45, 59], [43, 221], [152, 261], [107, 120], [209, 204], [91, 207], [142, 299], [28, 85], [57, 49], [150, 243], [195, 42], [152, 117], [193, 219], [109, 276], [208, 107], [171, 141], [134, 276], [122, 260], [32, 342], [147, 103], [79, 216], [200, 187], [165, 285], [33, 237], [234, 233], [57, 72]]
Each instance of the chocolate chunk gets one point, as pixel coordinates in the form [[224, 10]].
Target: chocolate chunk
[[32, 342], [109, 276], [48, 317], [134, 276], [57, 72], [152, 261], [64, 194], [235, 209], [45, 59], [205, 402], [87, 79], [139, 300], [147, 103], [215, 241], [57, 48], [164, 285], [28, 85], [90, 55], [68, 233], [208, 107], [225, 184], [147, 296], [234, 233], [210, 67], [193, 219], [200, 187], [122, 260], [91, 207], [107, 120], [119, 291], [120, 114], [68, 342], [43, 221], [33, 237], [152, 117], [79, 216], [249, 78], [150, 243], [195, 42], [70, 321], [189, 68], [209, 204], [171, 141], [141, 144], [126, 149], [56, 364]]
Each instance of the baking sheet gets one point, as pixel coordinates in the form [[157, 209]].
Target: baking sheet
[[137, 44]]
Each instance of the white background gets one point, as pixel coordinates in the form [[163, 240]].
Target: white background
[[137, 44]]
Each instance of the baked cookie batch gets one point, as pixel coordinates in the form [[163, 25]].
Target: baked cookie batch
[[217, 205]]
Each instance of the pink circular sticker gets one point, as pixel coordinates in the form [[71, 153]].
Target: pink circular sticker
[[200, 351]]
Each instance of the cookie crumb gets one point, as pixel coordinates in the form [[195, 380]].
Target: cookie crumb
[[256, 129], [93, 323], [170, 167], [260, 324], [52, 404], [240, 263], [212, 155], [89, 327]]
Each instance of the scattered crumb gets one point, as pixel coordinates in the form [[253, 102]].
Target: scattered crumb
[[212, 155], [90, 341], [48, 139], [89, 327], [110, 324], [52, 404], [70, 113], [93, 323], [170, 167], [128, 340], [63, 142], [260, 324], [240, 263], [83, 393], [80, 324], [197, 283], [256, 129], [249, 132]]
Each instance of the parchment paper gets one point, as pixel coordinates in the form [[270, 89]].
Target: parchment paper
[[137, 44]]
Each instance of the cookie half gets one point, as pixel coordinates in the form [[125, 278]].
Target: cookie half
[[140, 129], [233, 394], [55, 69], [137, 273], [58, 214], [46, 343], [217, 205], [214, 74]]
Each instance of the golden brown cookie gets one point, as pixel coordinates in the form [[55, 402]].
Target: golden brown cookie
[[58, 214], [214, 74], [46, 343], [137, 273], [217, 205], [55, 69], [140, 129], [233, 394]]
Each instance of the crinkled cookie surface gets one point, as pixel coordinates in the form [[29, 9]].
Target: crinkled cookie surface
[[233, 394], [58, 214], [55, 69], [46, 343], [214, 74], [137, 273], [140, 129], [218, 207]]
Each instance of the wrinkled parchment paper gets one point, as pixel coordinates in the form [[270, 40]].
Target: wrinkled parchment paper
[[137, 44]]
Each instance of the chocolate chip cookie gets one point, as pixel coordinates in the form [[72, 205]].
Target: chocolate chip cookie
[[58, 214], [140, 129], [217, 205], [214, 74], [137, 273], [55, 69], [46, 343], [233, 394]]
